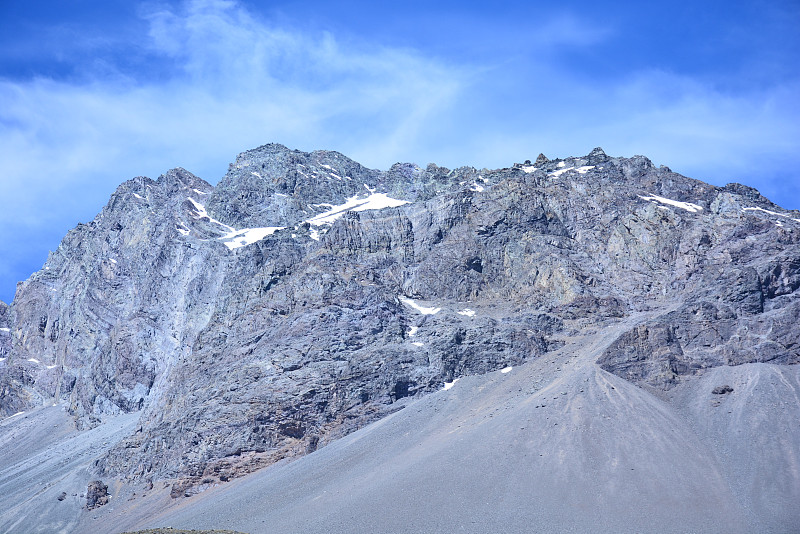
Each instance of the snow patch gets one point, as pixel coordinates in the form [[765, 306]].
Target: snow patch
[[34, 360], [2, 360], [314, 234], [562, 171], [247, 236], [467, 312], [448, 385], [688, 206], [772, 213], [327, 167], [4, 329], [412, 331], [235, 238], [375, 201], [476, 187], [182, 230], [16, 414], [506, 370], [417, 343], [256, 174], [140, 197], [529, 168], [580, 170], [51, 366], [421, 309], [199, 192], [203, 214], [112, 260], [561, 164]]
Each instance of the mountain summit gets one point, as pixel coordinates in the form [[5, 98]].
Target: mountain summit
[[637, 319]]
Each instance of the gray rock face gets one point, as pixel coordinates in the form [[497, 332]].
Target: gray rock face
[[5, 330], [287, 307], [16, 395], [96, 494]]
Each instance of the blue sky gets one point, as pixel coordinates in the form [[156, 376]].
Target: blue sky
[[93, 93]]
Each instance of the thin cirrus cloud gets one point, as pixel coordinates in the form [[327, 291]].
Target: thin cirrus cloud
[[205, 80]]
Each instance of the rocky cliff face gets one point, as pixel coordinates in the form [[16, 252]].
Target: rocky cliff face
[[306, 295]]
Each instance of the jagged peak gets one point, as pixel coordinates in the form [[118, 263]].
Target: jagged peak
[[178, 174], [179, 178], [541, 159], [269, 148]]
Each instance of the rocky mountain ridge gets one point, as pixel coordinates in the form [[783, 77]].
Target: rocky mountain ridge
[[305, 296]]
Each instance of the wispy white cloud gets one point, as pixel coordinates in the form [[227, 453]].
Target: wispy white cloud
[[229, 82], [237, 82]]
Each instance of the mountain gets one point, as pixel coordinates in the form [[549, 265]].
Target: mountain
[[190, 335]]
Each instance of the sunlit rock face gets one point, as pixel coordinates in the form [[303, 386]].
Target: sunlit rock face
[[306, 296]]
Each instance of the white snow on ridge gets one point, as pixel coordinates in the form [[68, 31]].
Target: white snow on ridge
[[234, 238], [467, 312], [688, 206], [772, 213], [247, 236], [375, 201], [580, 170], [528, 168], [448, 385], [561, 171], [421, 309], [16, 414], [505, 370], [202, 213], [199, 192]]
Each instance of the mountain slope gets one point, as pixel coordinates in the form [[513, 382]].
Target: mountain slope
[[556, 445], [306, 296]]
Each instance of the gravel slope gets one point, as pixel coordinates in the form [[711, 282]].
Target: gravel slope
[[556, 445], [43, 457]]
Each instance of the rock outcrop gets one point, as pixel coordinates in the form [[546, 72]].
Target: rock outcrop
[[305, 295], [96, 494]]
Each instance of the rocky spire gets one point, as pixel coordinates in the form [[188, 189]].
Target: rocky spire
[[597, 156]]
